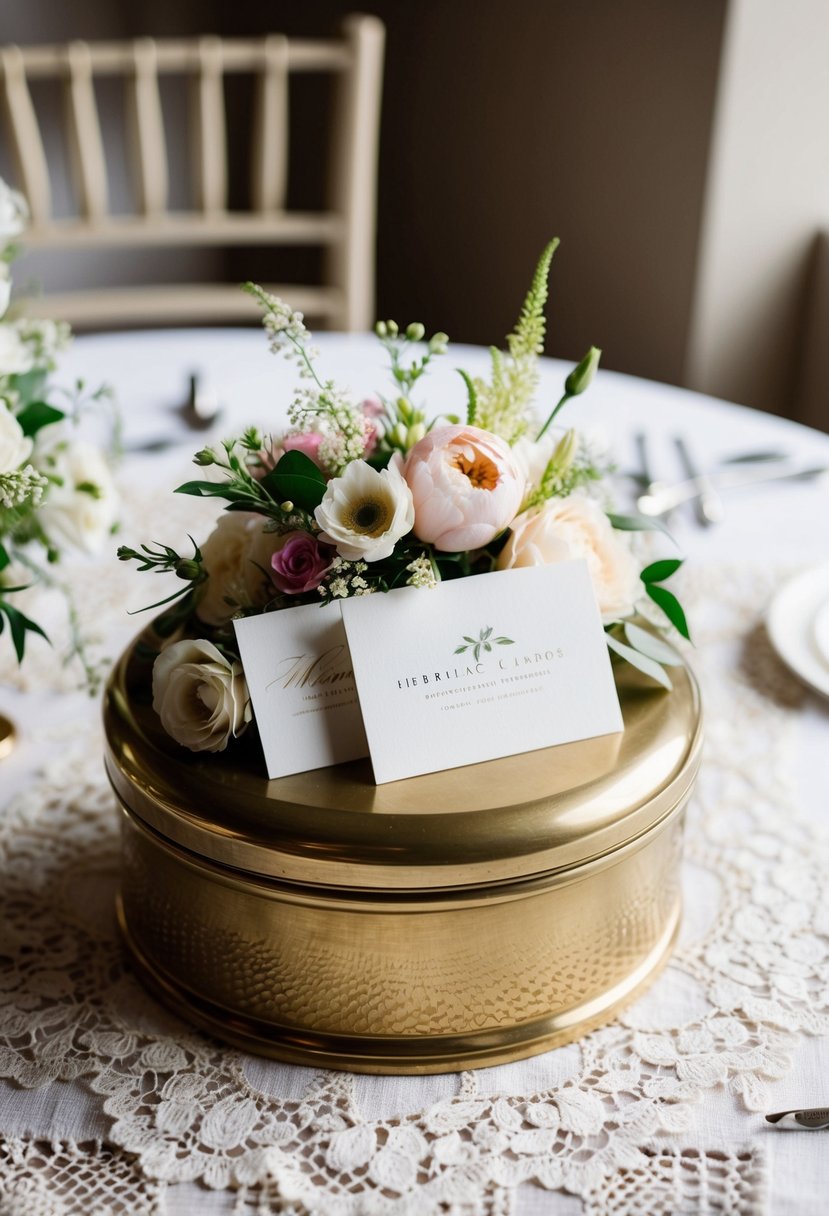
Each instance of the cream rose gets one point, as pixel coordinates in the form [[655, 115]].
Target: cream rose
[[14, 213], [364, 513], [573, 527], [237, 556], [82, 505], [200, 696], [15, 448]]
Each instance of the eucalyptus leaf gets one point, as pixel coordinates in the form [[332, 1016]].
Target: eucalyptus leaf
[[640, 661], [636, 523], [671, 606], [296, 479], [655, 648], [657, 572]]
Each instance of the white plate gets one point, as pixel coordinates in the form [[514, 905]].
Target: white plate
[[791, 622]]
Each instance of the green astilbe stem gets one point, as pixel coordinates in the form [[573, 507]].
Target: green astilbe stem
[[503, 404]]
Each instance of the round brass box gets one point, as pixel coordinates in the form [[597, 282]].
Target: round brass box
[[460, 919]]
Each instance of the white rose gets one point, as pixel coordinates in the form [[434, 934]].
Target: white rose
[[14, 213], [237, 556], [82, 505], [5, 287], [201, 697], [571, 527], [365, 512], [15, 448], [15, 356]]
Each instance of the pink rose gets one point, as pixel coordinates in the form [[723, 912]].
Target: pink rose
[[308, 443], [300, 563], [465, 485]]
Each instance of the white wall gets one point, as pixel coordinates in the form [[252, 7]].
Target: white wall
[[767, 195]]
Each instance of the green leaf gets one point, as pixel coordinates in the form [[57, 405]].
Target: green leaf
[[36, 415], [296, 479], [505, 641], [203, 489], [471, 396], [460, 649], [653, 646], [671, 606], [486, 633], [636, 523], [657, 572], [19, 626], [4, 557], [640, 661], [471, 641]]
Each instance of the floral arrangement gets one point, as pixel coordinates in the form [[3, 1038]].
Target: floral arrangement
[[359, 498], [56, 490]]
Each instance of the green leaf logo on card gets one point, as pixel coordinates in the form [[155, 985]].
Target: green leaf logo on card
[[485, 641]]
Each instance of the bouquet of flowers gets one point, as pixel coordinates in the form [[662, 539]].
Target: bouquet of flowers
[[56, 490], [359, 498]]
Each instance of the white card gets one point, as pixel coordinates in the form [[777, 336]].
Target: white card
[[479, 668], [298, 671]]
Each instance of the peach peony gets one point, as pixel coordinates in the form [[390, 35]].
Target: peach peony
[[576, 526], [465, 485]]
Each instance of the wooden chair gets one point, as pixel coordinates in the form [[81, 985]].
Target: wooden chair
[[345, 230]]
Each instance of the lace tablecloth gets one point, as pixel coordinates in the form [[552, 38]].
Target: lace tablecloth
[[110, 1105]]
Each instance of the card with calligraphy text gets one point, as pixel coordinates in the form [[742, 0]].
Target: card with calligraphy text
[[479, 668], [298, 671]]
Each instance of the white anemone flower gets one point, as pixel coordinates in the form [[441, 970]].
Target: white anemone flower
[[365, 512]]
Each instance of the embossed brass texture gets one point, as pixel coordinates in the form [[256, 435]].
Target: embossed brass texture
[[462, 918]]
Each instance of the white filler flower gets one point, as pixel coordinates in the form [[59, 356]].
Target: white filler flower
[[200, 696], [364, 513], [82, 504], [14, 213]]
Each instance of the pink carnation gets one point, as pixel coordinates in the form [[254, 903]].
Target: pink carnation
[[465, 485], [300, 563]]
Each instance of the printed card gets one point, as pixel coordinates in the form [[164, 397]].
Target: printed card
[[299, 674], [479, 668]]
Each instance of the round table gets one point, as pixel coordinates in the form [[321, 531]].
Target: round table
[[104, 1090]]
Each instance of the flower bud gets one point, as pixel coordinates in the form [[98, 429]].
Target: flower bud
[[405, 409], [188, 569], [381, 329], [287, 506], [399, 435], [205, 457], [582, 374], [414, 434], [438, 344], [415, 331], [565, 451], [393, 328]]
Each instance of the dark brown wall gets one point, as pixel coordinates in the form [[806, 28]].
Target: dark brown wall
[[506, 123]]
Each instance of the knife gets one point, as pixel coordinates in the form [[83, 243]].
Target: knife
[[813, 1120]]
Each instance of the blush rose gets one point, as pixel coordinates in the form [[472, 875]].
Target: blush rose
[[574, 527]]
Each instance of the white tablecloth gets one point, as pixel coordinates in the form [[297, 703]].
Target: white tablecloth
[[109, 1105]]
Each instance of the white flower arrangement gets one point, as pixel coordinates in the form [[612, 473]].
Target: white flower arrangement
[[56, 490], [360, 498]]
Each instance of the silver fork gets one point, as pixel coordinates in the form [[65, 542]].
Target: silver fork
[[708, 505]]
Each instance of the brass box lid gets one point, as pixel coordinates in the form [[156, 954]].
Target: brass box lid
[[521, 817]]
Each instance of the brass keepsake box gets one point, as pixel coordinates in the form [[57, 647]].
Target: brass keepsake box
[[460, 919]]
